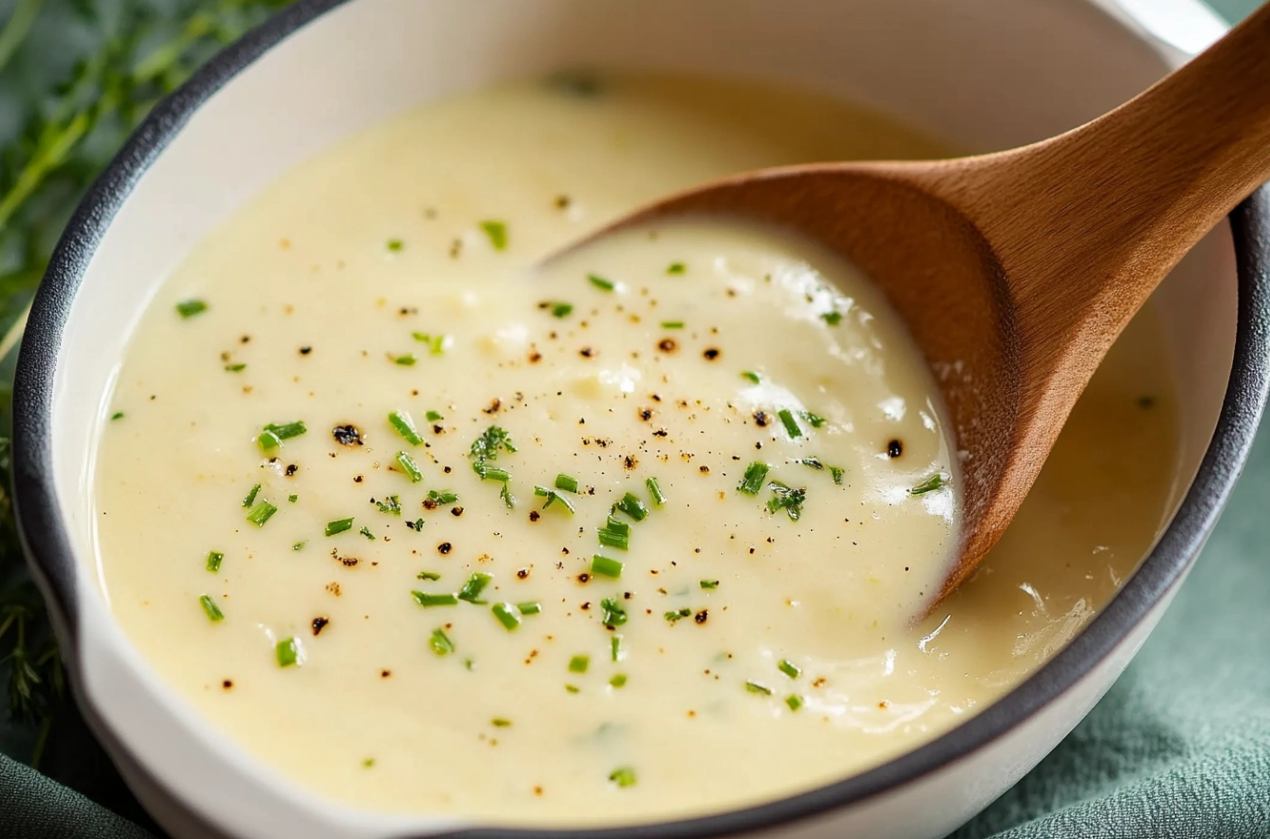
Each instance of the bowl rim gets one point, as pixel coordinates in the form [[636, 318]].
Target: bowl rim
[[49, 554]]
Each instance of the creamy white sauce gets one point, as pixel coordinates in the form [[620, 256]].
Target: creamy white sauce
[[318, 287]]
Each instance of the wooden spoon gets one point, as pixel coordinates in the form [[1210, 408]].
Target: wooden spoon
[[1016, 271]]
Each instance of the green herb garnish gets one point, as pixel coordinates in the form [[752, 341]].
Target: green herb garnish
[[623, 776], [672, 324], [530, 607], [286, 430], [407, 360], [794, 701], [566, 483], [618, 680], [615, 534], [837, 472], [293, 498], [408, 465], [117, 415], [814, 419], [786, 498], [288, 652], [235, 368], [603, 566], [471, 591], [791, 425], [508, 615], [487, 446], [440, 642], [560, 309], [611, 612], [579, 663], [752, 481], [436, 343], [213, 611], [405, 426], [433, 416], [615, 648], [365, 531], [496, 231], [214, 559], [789, 668], [678, 614], [831, 318], [500, 722], [190, 308], [268, 440], [934, 482], [440, 497], [813, 462], [755, 687], [395, 245], [251, 496], [654, 490], [299, 545], [261, 513], [632, 506], [428, 575], [338, 526], [676, 268], [390, 505], [551, 495], [709, 584], [601, 283], [428, 600], [751, 376]]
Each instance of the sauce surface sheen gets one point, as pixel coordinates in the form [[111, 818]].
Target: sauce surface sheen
[[457, 647]]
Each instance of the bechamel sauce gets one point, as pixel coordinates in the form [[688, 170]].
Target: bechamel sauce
[[318, 285]]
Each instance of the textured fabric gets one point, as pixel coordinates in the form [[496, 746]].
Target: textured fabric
[[1180, 747]]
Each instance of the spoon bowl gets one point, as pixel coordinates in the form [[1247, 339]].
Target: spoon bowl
[[1016, 271]]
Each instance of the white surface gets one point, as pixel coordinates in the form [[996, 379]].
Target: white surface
[[985, 73]]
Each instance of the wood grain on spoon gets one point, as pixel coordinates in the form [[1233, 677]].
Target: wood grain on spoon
[[1016, 271]]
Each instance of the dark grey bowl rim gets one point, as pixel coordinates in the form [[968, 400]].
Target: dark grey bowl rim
[[50, 556]]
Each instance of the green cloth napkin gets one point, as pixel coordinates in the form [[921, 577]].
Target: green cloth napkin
[[1180, 747]]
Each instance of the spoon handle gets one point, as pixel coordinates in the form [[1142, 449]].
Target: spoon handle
[[1089, 222]]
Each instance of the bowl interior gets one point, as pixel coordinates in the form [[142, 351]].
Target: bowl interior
[[987, 75]]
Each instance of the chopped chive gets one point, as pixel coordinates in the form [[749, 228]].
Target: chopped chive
[[428, 600], [338, 526], [751, 376], [813, 462], [261, 513], [391, 505], [579, 663], [436, 343], [530, 607], [469, 664], [190, 308], [676, 268], [471, 591], [794, 701], [561, 309], [235, 368], [406, 360], [789, 668], [611, 612], [623, 776], [786, 498], [551, 495], [433, 416], [934, 482], [815, 419], [440, 642], [365, 531], [408, 465], [251, 496], [405, 426], [293, 498], [618, 680], [566, 483], [428, 575], [286, 430], [752, 481], [601, 283], [499, 722], [490, 473], [496, 231], [395, 245], [508, 615], [678, 615], [654, 490], [831, 318], [486, 446], [672, 324], [614, 539], [299, 545], [506, 494], [616, 653], [213, 611], [791, 425], [441, 497], [268, 440], [214, 559], [288, 652], [605, 567], [709, 584], [573, 688], [755, 687], [633, 507], [117, 415], [837, 472]]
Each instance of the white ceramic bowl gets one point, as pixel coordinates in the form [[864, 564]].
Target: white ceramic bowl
[[982, 73]]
